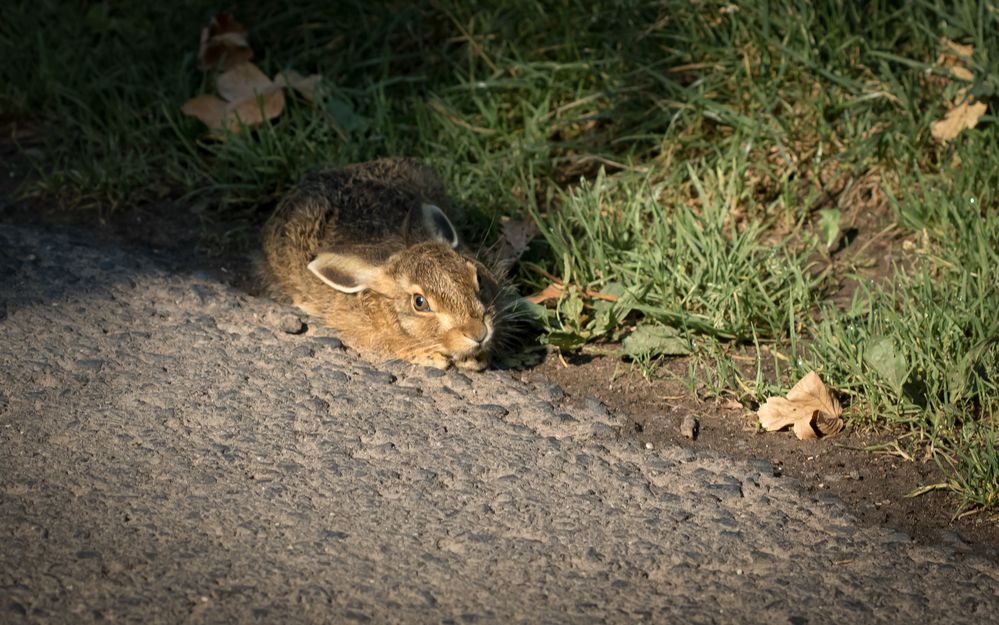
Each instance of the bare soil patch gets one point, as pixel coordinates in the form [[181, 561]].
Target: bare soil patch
[[875, 485]]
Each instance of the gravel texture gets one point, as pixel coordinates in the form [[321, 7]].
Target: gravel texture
[[171, 451]]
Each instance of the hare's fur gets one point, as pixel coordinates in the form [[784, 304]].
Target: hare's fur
[[360, 247]]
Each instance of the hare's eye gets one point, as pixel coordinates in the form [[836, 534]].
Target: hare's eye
[[420, 303]]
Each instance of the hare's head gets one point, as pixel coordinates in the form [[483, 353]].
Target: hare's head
[[426, 303]]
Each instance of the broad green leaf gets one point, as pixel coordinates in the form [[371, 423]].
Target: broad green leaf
[[651, 340], [606, 314], [342, 112], [571, 308], [829, 220], [536, 313], [565, 340], [882, 356]]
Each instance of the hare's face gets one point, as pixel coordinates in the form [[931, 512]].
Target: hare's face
[[427, 304], [438, 301]]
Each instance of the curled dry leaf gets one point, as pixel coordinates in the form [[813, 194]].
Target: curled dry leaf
[[550, 292], [223, 44], [808, 409], [962, 116]]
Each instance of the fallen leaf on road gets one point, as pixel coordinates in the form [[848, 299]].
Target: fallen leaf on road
[[962, 116], [808, 409]]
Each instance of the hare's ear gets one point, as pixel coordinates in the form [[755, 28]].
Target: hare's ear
[[348, 274], [438, 225]]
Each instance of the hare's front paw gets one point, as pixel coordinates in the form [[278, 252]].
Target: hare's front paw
[[438, 361], [472, 363]]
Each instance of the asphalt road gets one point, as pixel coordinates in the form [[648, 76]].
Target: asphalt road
[[170, 453]]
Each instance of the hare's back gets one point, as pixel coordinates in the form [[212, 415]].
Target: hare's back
[[351, 205]]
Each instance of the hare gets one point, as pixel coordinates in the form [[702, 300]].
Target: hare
[[370, 250]]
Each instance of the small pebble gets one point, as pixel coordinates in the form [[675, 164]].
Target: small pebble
[[329, 341], [90, 364], [648, 445], [689, 427], [291, 324], [494, 410], [596, 405], [600, 429]]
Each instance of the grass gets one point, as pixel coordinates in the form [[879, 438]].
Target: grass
[[708, 177]]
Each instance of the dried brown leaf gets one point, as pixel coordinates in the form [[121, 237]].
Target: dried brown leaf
[[962, 73], [808, 409], [552, 291], [244, 81], [209, 109], [957, 49], [955, 58], [217, 113], [962, 116], [519, 233], [516, 236], [224, 44], [731, 404], [252, 111]]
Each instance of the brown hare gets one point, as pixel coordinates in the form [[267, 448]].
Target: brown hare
[[370, 250]]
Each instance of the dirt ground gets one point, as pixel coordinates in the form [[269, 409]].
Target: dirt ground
[[875, 485]]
